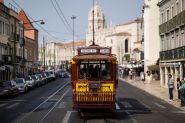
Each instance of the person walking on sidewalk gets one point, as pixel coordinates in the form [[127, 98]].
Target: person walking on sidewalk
[[170, 86], [182, 90], [178, 86]]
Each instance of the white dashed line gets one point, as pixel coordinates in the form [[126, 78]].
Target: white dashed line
[[160, 106], [131, 117], [2, 105], [13, 105], [117, 107], [67, 116]]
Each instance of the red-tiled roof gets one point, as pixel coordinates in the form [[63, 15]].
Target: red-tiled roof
[[2, 1], [23, 17]]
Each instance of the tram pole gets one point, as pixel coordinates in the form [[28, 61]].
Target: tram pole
[[73, 17]]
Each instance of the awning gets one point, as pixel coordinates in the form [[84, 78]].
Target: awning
[[153, 67]]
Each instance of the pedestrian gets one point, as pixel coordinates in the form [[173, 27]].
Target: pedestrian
[[131, 74], [142, 75], [178, 86], [170, 86], [182, 92]]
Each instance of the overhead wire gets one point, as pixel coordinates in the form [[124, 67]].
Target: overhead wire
[[61, 18], [63, 15], [35, 23]]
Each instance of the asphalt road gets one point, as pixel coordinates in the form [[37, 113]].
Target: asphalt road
[[52, 103]]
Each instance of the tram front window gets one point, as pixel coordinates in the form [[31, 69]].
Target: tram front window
[[94, 70]]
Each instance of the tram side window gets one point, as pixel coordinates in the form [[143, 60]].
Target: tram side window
[[106, 71], [82, 71]]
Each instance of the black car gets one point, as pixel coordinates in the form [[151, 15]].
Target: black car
[[8, 88]]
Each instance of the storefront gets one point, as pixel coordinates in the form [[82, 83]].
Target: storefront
[[5, 73], [173, 68]]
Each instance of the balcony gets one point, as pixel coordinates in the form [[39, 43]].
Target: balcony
[[174, 54], [173, 23], [7, 59]]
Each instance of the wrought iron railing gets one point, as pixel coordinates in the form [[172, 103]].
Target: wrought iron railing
[[174, 54], [173, 23]]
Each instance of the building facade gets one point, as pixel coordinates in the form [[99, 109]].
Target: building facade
[[151, 36], [125, 39], [172, 39], [58, 55], [13, 47], [5, 53], [30, 43]]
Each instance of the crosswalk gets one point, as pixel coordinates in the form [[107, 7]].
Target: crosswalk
[[127, 106], [8, 105]]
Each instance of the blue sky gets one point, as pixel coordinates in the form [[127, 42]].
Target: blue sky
[[117, 11]]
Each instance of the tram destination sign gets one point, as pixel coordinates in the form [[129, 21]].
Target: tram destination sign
[[95, 51], [88, 51]]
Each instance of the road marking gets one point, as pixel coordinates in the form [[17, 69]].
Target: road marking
[[178, 112], [67, 116], [42, 103], [8, 101], [13, 105], [62, 105], [145, 105], [55, 105], [160, 106], [127, 105], [131, 117], [117, 107], [1, 105]]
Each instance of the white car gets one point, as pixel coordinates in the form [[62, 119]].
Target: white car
[[22, 85], [52, 74], [30, 81]]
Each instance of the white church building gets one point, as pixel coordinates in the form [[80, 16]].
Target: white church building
[[125, 39]]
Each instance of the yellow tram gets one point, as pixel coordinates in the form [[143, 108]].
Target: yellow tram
[[94, 78]]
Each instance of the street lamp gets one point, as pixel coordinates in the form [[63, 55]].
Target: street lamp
[[73, 17], [41, 22]]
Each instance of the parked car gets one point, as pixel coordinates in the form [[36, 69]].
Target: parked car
[[30, 81], [52, 74], [47, 76], [22, 85], [36, 79], [41, 79], [8, 88], [64, 74]]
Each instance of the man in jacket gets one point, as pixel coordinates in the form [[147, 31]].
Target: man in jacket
[[170, 86]]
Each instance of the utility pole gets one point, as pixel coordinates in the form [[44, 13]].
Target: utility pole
[[14, 49], [73, 17], [93, 24], [54, 56], [44, 51]]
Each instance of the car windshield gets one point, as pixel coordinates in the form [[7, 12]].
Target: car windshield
[[33, 77], [19, 80], [94, 69], [27, 78]]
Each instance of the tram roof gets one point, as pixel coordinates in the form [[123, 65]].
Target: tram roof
[[94, 57]]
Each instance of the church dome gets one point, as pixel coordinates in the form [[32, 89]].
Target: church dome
[[98, 13]]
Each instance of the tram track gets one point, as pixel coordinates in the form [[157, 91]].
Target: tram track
[[41, 111]]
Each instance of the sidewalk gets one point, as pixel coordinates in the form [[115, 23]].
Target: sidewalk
[[155, 89]]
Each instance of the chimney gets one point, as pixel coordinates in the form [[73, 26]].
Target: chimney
[[2, 1]]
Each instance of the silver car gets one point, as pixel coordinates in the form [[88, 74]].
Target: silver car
[[30, 81], [22, 85]]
